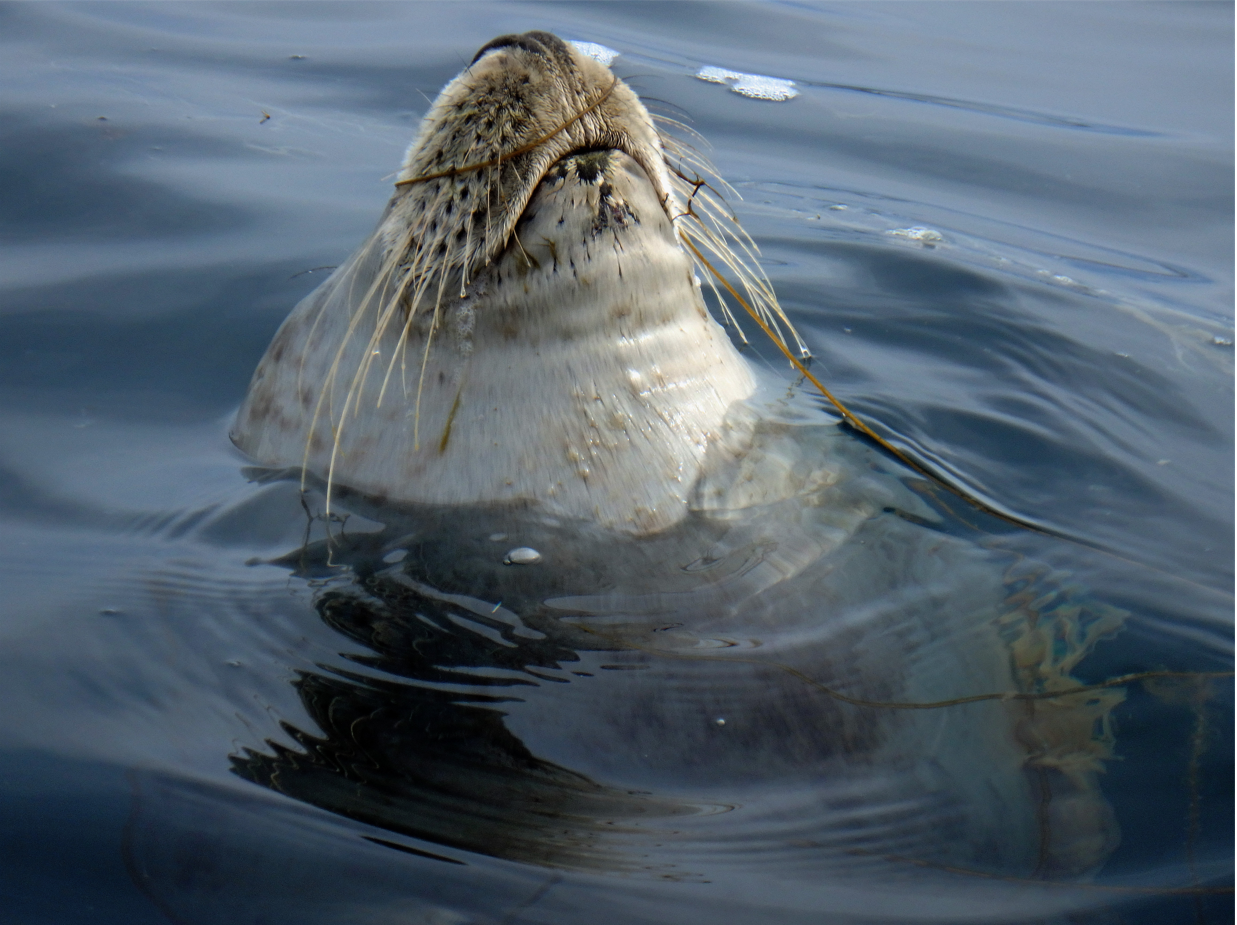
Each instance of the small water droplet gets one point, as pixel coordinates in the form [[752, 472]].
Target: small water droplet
[[522, 555], [110, 612], [719, 721]]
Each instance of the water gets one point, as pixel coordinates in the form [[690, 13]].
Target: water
[[1004, 230]]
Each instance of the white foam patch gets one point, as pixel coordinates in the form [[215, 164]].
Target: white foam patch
[[756, 86], [597, 52], [917, 233]]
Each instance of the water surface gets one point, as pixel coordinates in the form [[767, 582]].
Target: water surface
[[1004, 230]]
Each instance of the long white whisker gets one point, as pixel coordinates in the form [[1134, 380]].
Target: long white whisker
[[425, 356]]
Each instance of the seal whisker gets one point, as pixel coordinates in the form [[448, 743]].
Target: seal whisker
[[401, 341], [381, 280], [680, 126], [677, 148], [425, 355], [328, 389], [724, 306], [389, 308], [719, 232]]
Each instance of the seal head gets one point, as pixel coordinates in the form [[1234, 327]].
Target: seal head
[[524, 325]]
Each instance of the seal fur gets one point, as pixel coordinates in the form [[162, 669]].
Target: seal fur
[[524, 324]]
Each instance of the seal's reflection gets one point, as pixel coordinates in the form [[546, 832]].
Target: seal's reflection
[[424, 759], [610, 706]]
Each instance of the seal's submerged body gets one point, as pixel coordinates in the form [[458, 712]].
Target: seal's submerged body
[[520, 356]]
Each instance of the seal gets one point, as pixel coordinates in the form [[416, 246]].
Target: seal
[[524, 325], [523, 335]]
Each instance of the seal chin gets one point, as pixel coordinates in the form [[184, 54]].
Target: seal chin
[[559, 354]]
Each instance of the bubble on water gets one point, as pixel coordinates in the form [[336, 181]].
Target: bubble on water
[[1222, 341], [522, 555], [597, 52], [756, 86]]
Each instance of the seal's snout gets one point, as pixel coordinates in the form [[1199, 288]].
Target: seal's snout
[[494, 133]]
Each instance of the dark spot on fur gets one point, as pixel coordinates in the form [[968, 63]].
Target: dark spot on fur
[[261, 408], [613, 214]]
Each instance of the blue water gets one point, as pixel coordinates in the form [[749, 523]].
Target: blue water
[[1059, 344]]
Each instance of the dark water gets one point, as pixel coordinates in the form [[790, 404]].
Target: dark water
[[190, 737]]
